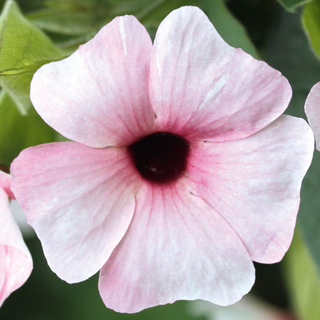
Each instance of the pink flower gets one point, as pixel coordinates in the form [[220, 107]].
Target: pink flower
[[15, 258], [183, 170], [312, 109]]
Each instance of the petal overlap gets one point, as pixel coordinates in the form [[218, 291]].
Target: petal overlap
[[255, 184], [202, 88], [79, 200], [177, 247], [15, 259], [5, 181]]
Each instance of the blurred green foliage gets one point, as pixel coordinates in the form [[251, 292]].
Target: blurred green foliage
[[289, 52], [291, 5], [303, 280], [19, 131], [311, 24]]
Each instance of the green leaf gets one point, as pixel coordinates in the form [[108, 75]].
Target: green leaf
[[62, 22], [17, 84], [78, 18], [291, 5], [311, 24], [303, 280], [23, 49], [72, 17], [82, 17], [77, 5], [18, 132], [28, 6], [70, 43]]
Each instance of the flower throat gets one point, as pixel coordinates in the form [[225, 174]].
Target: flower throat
[[160, 157]]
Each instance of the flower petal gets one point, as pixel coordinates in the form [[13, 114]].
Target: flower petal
[[312, 109], [99, 95], [255, 184], [15, 258], [201, 88], [79, 200], [177, 247], [5, 180]]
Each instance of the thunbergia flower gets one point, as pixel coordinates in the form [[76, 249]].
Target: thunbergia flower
[[15, 258], [182, 171], [312, 110]]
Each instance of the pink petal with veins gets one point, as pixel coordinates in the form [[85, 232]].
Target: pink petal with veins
[[103, 95], [255, 184], [177, 247], [202, 88], [79, 200], [15, 259], [5, 180]]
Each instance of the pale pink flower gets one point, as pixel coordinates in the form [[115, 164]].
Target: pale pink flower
[[15, 258], [312, 109], [183, 170]]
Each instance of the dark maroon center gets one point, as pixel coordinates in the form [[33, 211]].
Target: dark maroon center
[[160, 157]]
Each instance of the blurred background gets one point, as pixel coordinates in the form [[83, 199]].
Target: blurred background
[[284, 33]]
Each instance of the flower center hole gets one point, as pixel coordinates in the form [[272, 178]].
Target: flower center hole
[[160, 157]]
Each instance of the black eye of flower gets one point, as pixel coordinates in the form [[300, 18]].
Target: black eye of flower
[[160, 157]]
